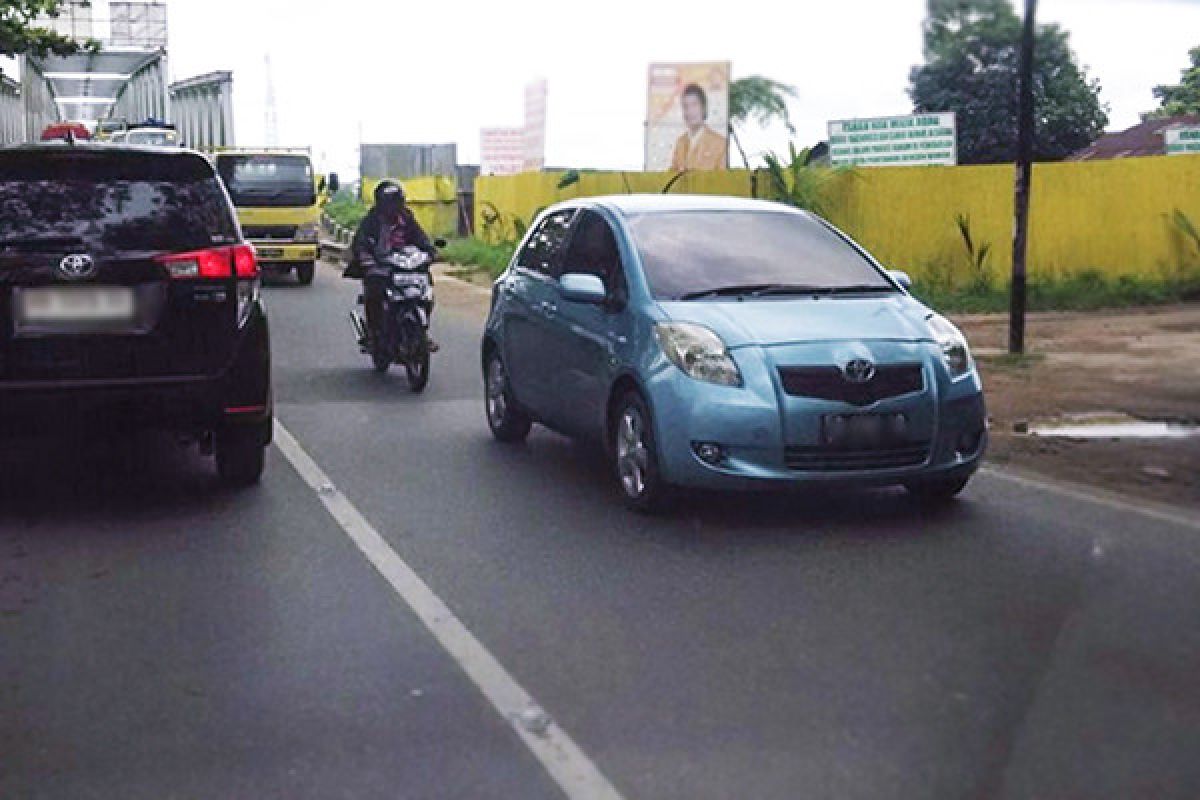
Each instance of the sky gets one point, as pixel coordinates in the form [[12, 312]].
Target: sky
[[405, 71]]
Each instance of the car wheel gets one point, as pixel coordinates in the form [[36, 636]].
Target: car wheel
[[241, 457], [941, 490], [635, 456], [305, 272], [508, 422]]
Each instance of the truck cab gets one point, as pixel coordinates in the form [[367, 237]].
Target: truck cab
[[278, 197]]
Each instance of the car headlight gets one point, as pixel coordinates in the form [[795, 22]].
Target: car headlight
[[306, 232], [955, 351], [699, 352]]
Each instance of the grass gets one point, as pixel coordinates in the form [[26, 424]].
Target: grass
[[472, 252], [1084, 291], [346, 211]]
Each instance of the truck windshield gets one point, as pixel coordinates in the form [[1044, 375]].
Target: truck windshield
[[268, 180]]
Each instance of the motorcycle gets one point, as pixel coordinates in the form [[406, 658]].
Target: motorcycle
[[406, 302]]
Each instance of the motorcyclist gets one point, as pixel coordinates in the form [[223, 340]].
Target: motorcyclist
[[389, 226]]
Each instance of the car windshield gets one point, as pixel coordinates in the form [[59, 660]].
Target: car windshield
[[268, 180], [127, 204], [693, 254]]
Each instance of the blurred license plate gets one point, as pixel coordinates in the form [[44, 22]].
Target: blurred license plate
[[863, 431], [77, 305], [269, 252]]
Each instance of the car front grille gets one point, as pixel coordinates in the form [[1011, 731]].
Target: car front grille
[[828, 383], [282, 233], [824, 459]]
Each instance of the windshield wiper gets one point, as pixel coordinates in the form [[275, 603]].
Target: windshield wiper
[[865, 288], [823, 290], [729, 291]]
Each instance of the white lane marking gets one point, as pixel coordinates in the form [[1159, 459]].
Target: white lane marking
[[1095, 496], [567, 764]]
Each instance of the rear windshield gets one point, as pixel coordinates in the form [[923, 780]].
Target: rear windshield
[[689, 252], [268, 180], [127, 202]]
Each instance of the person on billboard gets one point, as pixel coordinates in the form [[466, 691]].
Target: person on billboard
[[700, 147]]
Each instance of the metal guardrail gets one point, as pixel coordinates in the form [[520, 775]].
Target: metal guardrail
[[336, 241]]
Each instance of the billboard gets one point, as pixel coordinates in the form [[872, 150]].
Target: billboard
[[501, 151], [534, 155], [142, 25], [687, 116], [1182, 140], [919, 140]]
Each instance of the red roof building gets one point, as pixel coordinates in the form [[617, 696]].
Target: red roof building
[[1146, 139]]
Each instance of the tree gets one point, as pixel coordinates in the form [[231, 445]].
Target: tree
[[761, 99], [1183, 97], [971, 59], [20, 33]]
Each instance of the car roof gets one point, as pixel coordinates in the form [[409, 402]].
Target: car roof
[[639, 204], [93, 147]]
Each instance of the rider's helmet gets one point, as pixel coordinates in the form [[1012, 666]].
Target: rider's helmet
[[389, 197]]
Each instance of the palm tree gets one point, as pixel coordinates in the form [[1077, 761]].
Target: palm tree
[[762, 99]]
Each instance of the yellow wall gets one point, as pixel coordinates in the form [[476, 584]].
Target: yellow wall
[[1113, 216], [433, 200]]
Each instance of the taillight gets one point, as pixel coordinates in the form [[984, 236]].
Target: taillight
[[245, 262], [217, 262]]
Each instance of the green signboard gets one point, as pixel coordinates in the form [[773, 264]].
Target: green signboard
[[912, 141], [1181, 141]]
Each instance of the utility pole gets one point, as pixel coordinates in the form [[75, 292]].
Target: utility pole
[[270, 109], [1016, 322]]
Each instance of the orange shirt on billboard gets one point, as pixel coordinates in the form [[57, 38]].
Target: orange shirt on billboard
[[709, 150]]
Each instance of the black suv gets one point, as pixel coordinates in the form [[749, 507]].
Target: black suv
[[128, 297]]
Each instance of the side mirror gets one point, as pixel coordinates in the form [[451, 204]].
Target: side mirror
[[334, 184], [320, 183], [901, 277], [581, 287]]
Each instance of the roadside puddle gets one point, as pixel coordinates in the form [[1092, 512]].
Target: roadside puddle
[[1107, 425]]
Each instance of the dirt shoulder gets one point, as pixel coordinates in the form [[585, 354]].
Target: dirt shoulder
[[1142, 362], [1145, 363]]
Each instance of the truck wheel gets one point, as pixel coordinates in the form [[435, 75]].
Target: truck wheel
[[241, 457], [305, 272]]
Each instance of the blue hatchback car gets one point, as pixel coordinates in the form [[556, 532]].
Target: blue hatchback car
[[714, 342]]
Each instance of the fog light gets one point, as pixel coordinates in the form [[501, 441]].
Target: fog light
[[709, 452]]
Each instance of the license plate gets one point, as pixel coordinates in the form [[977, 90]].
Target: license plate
[[82, 305], [863, 431], [269, 252]]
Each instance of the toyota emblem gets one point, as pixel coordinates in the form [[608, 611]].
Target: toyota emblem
[[859, 371], [77, 267]]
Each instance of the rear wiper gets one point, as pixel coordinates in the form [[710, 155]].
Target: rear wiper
[[728, 291]]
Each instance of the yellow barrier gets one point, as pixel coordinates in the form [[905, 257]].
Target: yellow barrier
[[1112, 216], [433, 200]]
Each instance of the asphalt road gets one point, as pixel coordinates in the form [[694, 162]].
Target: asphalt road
[[162, 638]]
